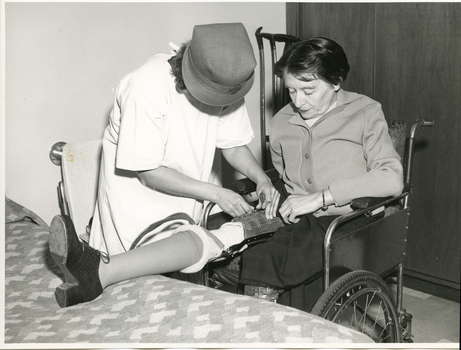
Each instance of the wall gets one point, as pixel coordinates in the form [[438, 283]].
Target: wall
[[64, 60]]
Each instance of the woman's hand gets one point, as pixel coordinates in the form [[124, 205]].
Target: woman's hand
[[269, 199], [231, 202], [296, 205], [244, 162]]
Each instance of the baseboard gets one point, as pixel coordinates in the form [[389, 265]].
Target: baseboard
[[432, 285]]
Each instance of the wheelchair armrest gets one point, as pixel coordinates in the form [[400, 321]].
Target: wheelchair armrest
[[245, 185], [367, 202], [374, 203]]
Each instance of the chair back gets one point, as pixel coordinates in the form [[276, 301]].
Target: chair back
[[280, 95], [398, 134], [80, 164]]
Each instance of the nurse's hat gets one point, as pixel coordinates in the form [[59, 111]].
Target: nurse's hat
[[218, 65]]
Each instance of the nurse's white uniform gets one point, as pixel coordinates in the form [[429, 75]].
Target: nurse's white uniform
[[152, 125]]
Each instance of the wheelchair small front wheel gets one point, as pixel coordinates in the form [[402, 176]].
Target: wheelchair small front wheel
[[362, 301]]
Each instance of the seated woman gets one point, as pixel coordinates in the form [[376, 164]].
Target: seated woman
[[169, 117], [329, 147]]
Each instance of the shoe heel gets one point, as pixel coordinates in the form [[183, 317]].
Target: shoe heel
[[69, 278], [68, 294]]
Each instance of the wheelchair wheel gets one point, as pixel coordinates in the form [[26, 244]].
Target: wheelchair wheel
[[361, 300]]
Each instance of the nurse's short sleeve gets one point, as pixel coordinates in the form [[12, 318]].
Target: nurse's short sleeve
[[142, 133], [234, 127]]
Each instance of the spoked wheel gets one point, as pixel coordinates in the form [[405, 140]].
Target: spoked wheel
[[361, 300]]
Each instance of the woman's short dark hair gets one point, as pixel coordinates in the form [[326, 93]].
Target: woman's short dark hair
[[176, 68], [320, 57]]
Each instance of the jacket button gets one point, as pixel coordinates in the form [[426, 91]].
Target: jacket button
[[306, 156], [309, 181]]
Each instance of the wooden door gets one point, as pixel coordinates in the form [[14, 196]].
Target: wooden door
[[418, 76], [340, 22]]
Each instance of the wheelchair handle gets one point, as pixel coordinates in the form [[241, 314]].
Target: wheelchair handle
[[414, 128], [428, 122], [418, 123], [273, 37]]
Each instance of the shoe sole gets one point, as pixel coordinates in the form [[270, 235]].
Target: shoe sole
[[58, 239], [69, 290]]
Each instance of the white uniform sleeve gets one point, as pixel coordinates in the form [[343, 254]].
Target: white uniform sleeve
[[234, 127], [142, 134]]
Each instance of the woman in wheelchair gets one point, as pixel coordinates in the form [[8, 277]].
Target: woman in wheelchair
[[169, 116], [329, 146]]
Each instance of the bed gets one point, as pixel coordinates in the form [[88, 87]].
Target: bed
[[151, 309]]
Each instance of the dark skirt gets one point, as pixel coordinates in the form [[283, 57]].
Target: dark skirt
[[290, 257], [294, 254]]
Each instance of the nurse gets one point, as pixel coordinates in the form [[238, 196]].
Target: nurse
[[169, 116]]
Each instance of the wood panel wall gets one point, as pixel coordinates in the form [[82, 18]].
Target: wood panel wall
[[340, 22], [408, 57]]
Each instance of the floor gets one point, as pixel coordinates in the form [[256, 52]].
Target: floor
[[435, 320]]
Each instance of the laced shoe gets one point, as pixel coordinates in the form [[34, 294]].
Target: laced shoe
[[77, 260]]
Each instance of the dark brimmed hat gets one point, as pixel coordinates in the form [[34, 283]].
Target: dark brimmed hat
[[218, 65]]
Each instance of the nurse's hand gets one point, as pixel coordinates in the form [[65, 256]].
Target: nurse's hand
[[269, 199], [232, 203]]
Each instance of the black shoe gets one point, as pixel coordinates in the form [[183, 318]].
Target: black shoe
[[77, 260]]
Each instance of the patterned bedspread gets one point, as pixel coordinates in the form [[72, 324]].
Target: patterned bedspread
[[151, 309]]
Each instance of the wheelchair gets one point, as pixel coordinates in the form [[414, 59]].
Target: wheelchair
[[362, 276], [360, 268]]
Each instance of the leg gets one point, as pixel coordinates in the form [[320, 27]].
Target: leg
[[173, 253], [292, 255], [187, 250]]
